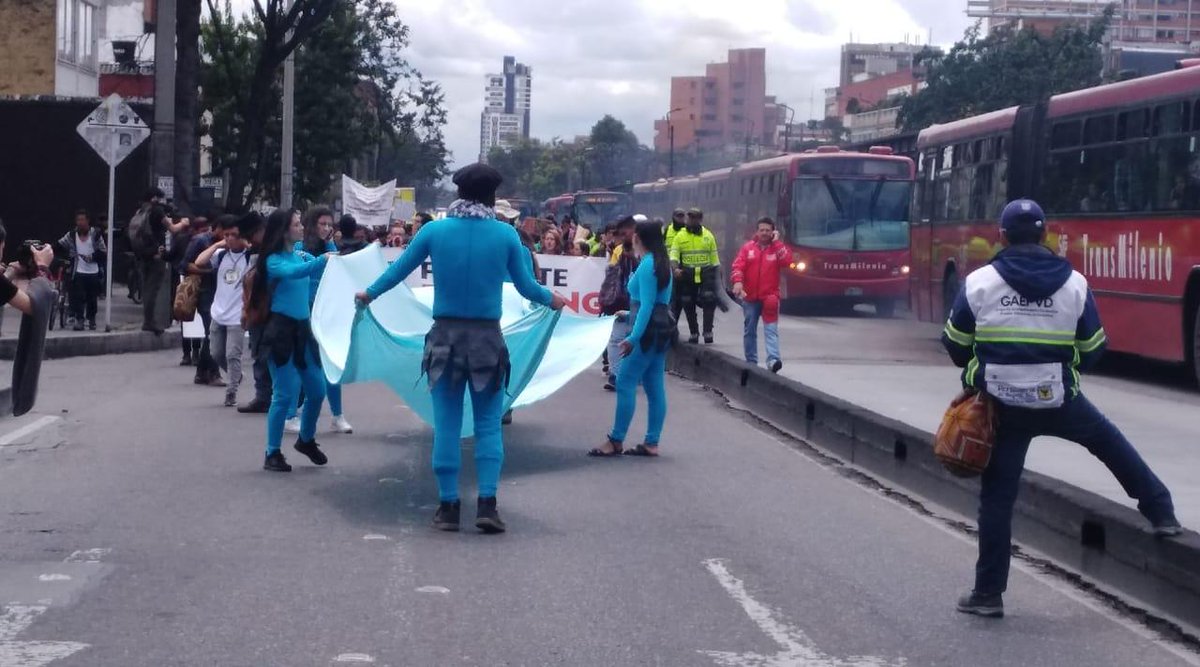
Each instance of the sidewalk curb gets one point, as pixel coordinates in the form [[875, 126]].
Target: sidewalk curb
[[1095, 537], [91, 345]]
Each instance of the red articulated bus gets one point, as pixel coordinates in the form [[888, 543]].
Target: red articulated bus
[[1117, 170], [844, 214]]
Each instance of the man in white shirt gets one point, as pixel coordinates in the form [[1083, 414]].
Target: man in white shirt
[[230, 261], [87, 250]]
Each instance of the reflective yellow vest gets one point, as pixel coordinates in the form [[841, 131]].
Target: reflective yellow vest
[[695, 251]]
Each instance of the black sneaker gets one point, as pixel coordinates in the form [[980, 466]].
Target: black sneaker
[[255, 407], [312, 450], [507, 418], [487, 519], [708, 339], [988, 606], [694, 338], [276, 463], [611, 384], [775, 366], [446, 516], [92, 325], [1168, 528], [186, 361], [231, 400]]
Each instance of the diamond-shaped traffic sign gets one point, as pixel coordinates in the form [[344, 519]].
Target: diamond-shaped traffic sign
[[113, 130]]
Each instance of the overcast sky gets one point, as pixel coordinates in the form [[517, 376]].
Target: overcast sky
[[596, 57]]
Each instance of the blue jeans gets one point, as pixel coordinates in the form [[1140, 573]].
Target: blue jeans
[[286, 381], [620, 332], [753, 311], [1078, 421], [448, 395], [646, 369]]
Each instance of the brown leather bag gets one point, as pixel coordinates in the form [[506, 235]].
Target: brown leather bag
[[186, 299], [965, 439], [254, 311]]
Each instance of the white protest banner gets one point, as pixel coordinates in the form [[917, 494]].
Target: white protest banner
[[577, 279], [371, 207]]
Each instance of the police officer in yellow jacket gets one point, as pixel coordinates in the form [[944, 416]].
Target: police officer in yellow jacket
[[694, 257]]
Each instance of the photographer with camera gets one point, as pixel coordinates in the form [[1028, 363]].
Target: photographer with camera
[[33, 260]]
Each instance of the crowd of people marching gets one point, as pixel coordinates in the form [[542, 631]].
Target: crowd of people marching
[[255, 281]]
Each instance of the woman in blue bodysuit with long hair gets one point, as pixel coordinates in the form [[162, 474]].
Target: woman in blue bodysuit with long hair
[[282, 275], [473, 254], [644, 351], [318, 241]]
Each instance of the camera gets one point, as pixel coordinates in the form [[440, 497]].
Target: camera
[[25, 256]]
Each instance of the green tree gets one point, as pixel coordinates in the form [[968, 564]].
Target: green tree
[[1006, 67], [356, 98], [612, 154]]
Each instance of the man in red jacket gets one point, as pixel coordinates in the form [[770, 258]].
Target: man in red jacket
[[756, 282]]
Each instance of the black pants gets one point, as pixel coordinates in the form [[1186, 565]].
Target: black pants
[[85, 290], [262, 373], [1080, 422], [206, 366], [154, 281], [693, 294]]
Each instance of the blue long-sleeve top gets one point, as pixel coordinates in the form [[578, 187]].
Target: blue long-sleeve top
[[643, 290], [314, 280], [289, 273], [472, 258]]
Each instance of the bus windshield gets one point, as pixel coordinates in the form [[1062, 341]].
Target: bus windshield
[[598, 210], [850, 213]]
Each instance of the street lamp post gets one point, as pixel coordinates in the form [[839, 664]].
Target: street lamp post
[[787, 128], [671, 143]]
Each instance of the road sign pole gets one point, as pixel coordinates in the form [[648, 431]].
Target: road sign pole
[[112, 222]]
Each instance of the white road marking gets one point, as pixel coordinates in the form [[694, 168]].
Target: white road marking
[[354, 657], [440, 590], [54, 577], [374, 537], [32, 427], [88, 556], [13, 621], [797, 649], [389, 480]]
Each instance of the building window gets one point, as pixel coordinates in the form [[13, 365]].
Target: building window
[[76, 24]]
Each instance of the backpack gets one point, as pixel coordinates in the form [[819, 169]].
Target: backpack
[[134, 229]]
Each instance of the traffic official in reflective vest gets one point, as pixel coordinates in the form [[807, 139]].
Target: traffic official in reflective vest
[[693, 253], [1021, 328]]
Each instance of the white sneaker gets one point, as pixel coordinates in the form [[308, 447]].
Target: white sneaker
[[292, 425], [340, 425]]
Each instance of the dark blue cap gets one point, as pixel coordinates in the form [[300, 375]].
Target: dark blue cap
[[1022, 215]]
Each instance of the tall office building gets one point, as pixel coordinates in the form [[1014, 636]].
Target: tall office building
[[505, 117], [727, 106], [1135, 22]]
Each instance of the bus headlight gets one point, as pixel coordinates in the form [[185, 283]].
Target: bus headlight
[[904, 270], [800, 267]]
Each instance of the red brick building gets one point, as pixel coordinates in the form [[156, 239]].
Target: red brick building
[[725, 106]]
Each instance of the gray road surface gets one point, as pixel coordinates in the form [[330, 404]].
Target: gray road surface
[[137, 529]]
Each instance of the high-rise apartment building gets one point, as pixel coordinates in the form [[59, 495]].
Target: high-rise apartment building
[[506, 111], [728, 105], [1135, 22]]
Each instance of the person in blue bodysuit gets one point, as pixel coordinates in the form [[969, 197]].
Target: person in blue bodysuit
[[282, 275], [318, 241], [644, 351], [472, 254]]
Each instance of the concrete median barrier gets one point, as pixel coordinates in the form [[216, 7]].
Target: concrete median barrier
[[1104, 542]]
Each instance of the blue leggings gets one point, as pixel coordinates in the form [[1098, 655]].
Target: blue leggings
[[646, 369], [447, 436], [333, 394], [286, 381]]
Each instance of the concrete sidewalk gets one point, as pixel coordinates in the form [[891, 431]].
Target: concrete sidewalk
[[896, 368]]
